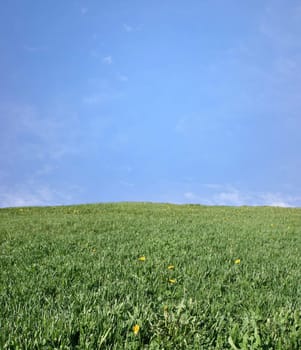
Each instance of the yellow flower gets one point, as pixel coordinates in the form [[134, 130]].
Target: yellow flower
[[170, 267], [237, 261], [172, 280], [142, 258], [136, 329]]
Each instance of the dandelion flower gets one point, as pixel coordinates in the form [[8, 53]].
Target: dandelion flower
[[170, 267], [136, 329], [142, 258], [237, 261], [172, 280]]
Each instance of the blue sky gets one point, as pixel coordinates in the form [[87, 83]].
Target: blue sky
[[165, 101]]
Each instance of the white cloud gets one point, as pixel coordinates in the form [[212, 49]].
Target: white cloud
[[95, 54], [28, 134], [280, 24], [229, 195], [107, 60], [126, 184], [33, 195], [238, 197], [190, 196], [35, 144], [278, 200], [100, 97], [128, 28], [94, 99], [195, 198], [45, 170], [202, 122], [122, 77], [181, 125]]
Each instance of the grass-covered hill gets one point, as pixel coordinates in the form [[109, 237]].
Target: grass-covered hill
[[150, 276]]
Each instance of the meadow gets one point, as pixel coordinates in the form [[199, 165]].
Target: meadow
[[150, 276]]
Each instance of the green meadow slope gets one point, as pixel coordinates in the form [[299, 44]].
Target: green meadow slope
[[150, 276]]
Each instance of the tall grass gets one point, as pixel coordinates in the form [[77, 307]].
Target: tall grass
[[212, 278]]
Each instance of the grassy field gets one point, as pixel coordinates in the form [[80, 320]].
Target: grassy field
[[150, 276]]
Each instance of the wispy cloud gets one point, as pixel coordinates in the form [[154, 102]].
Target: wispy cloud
[[229, 195], [107, 60], [126, 184], [279, 199], [83, 10], [29, 134], [94, 99], [280, 24], [45, 170], [97, 98], [191, 196], [128, 28], [37, 148], [122, 77], [202, 122], [95, 54], [34, 195]]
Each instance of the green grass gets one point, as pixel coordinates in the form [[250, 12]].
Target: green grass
[[71, 278]]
